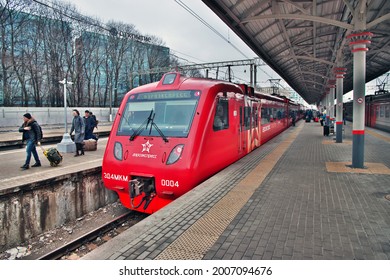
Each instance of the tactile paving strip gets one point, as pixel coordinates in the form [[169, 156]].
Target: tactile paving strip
[[198, 238], [345, 167], [330, 142]]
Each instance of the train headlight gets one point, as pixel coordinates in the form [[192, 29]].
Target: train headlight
[[118, 151], [175, 154]]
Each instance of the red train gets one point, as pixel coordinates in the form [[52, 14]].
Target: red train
[[377, 111], [171, 135]]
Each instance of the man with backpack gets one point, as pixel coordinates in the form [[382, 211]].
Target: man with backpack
[[94, 118], [90, 124], [32, 133]]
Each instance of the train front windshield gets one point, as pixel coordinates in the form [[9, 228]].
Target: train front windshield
[[171, 112]]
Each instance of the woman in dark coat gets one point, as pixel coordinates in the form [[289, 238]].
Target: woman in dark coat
[[78, 127]]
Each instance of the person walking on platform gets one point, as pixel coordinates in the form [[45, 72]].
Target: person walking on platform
[[78, 127], [322, 119], [32, 134]]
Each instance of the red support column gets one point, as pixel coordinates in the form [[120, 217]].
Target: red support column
[[339, 72], [358, 42], [327, 98]]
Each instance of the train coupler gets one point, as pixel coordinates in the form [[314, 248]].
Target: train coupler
[[138, 187]]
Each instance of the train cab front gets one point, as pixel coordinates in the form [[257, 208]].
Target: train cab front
[[149, 148]]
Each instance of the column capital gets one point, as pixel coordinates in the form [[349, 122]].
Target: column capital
[[339, 72], [359, 40], [360, 35]]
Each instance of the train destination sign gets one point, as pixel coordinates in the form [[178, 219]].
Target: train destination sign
[[164, 95]]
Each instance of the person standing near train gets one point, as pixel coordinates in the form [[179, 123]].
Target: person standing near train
[[78, 126], [89, 126]]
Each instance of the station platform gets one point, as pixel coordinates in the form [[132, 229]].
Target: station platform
[[292, 198], [10, 137], [12, 178], [43, 199]]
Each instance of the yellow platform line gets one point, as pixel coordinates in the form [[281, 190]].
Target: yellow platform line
[[378, 135], [197, 240]]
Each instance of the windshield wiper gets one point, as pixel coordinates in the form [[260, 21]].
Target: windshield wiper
[[142, 126], [153, 124], [145, 124]]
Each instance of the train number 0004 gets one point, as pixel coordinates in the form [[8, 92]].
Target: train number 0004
[[169, 183]]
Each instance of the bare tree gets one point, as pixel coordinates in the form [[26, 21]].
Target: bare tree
[[14, 48], [158, 57], [41, 44]]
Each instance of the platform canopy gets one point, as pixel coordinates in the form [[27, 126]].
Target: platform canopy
[[304, 40]]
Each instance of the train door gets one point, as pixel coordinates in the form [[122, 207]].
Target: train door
[[242, 135], [370, 111], [240, 143], [256, 129]]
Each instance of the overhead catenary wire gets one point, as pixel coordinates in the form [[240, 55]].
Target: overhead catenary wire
[[193, 62], [79, 17], [194, 14], [188, 9]]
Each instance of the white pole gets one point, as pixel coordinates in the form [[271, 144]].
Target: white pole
[[66, 145], [65, 108]]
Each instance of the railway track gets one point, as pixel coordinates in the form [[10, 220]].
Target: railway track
[[63, 251]]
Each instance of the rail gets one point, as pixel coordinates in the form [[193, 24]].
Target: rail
[[64, 250]]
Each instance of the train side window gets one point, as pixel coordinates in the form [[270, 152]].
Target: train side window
[[387, 111], [255, 115], [265, 116], [241, 123], [247, 117], [221, 118]]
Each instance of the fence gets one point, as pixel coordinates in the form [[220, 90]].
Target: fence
[[13, 116]]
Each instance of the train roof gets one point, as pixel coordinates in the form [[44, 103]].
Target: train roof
[[174, 80], [378, 97], [269, 97], [373, 97]]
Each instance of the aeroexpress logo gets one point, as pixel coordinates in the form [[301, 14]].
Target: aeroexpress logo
[[145, 148]]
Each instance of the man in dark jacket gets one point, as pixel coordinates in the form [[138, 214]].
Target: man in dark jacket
[[91, 115], [89, 126], [32, 133]]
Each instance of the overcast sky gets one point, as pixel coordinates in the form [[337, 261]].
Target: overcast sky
[[185, 35]]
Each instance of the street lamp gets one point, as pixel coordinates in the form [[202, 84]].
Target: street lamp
[[66, 145], [110, 100]]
